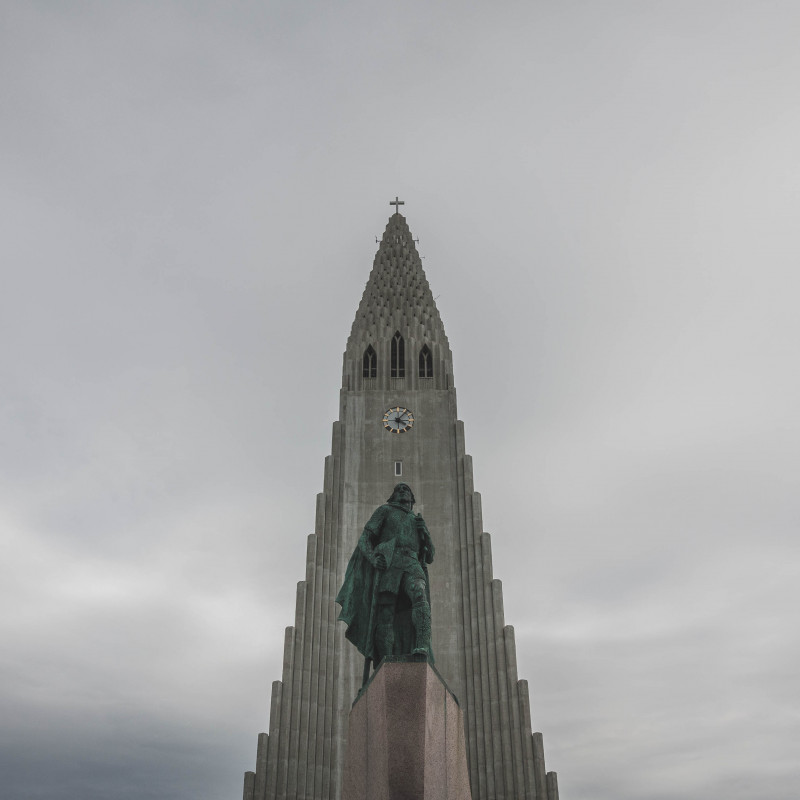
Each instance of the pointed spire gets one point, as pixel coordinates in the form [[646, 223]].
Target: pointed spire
[[398, 298], [397, 295]]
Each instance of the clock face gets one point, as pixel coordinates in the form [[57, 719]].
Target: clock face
[[398, 420]]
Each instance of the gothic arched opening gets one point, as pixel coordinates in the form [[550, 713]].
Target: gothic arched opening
[[425, 362], [398, 365], [370, 363]]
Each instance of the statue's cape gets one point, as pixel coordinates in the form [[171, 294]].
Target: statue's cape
[[357, 599]]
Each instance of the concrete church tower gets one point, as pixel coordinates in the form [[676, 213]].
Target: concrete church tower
[[398, 355]]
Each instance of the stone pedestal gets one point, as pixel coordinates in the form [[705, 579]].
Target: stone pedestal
[[405, 738]]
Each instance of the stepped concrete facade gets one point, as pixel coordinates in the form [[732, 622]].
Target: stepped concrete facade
[[398, 355]]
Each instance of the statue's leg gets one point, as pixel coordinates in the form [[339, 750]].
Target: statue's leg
[[420, 615], [384, 630]]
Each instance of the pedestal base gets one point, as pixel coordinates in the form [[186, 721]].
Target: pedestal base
[[406, 738]]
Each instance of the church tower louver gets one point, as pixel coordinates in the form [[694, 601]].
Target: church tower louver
[[398, 355]]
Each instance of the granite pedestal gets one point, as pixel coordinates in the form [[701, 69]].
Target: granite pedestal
[[406, 738]]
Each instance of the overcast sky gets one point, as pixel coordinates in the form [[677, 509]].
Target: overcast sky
[[607, 197]]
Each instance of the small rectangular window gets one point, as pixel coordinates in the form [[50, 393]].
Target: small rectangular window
[[398, 469]]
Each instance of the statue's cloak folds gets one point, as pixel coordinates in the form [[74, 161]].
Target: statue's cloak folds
[[357, 599]]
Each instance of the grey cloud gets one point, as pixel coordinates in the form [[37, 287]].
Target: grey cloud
[[606, 196]]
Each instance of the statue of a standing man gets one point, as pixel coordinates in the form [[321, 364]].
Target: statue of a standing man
[[385, 597]]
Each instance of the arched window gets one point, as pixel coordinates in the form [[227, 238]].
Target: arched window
[[370, 363], [398, 356], [425, 362]]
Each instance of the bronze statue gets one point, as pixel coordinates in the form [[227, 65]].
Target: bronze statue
[[385, 597]]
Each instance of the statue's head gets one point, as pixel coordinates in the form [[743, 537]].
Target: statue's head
[[402, 494]]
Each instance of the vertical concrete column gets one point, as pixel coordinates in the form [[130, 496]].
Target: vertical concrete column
[[310, 645], [469, 600], [527, 741], [311, 670], [481, 580], [538, 767], [249, 785], [296, 691], [331, 580], [261, 767], [326, 701], [286, 712], [518, 734], [274, 739], [552, 786], [498, 790], [507, 733]]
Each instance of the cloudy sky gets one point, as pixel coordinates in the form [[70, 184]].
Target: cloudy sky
[[607, 197]]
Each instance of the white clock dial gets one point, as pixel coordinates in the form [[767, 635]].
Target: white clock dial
[[398, 420]]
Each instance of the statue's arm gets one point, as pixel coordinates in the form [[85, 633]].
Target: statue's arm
[[370, 534], [428, 549]]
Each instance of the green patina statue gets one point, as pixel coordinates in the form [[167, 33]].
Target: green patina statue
[[385, 597]]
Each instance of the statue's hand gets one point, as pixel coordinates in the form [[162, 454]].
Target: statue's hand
[[380, 562]]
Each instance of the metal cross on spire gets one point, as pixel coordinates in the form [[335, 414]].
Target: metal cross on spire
[[397, 202]]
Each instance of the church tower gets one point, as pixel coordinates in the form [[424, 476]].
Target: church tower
[[398, 357]]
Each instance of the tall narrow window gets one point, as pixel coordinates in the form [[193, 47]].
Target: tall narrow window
[[398, 356], [425, 363], [370, 363]]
